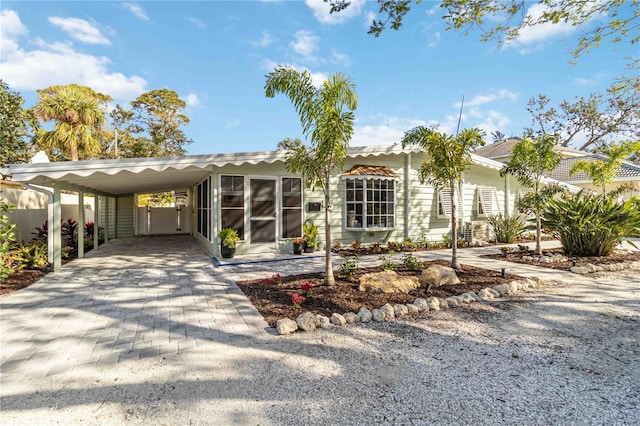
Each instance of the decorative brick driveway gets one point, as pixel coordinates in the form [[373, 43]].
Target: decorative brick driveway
[[133, 298]]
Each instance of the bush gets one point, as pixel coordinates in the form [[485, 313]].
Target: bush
[[591, 225], [507, 228], [31, 255], [7, 238]]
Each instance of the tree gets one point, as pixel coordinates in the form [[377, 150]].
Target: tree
[[448, 157], [530, 160], [498, 136], [16, 127], [79, 115], [326, 116], [602, 170], [158, 115], [289, 144], [502, 20]]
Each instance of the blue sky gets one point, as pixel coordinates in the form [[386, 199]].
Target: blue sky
[[216, 54]]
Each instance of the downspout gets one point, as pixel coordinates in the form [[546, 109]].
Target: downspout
[[407, 194], [49, 195]]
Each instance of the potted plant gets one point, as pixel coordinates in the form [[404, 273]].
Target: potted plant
[[298, 245], [228, 240], [310, 237]]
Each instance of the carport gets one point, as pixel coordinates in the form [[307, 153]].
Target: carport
[[114, 183]]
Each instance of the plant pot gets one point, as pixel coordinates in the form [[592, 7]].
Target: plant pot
[[298, 248], [227, 252], [309, 249]]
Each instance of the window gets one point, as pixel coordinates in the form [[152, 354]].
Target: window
[[370, 203], [291, 207], [487, 201], [232, 203], [444, 203], [204, 205]]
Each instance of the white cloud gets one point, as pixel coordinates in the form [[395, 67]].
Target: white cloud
[[264, 41], [434, 41], [197, 22], [80, 30], [58, 63], [533, 38], [340, 58], [192, 100], [369, 17], [317, 78], [137, 11], [10, 29], [305, 44], [380, 130], [321, 11], [492, 97]]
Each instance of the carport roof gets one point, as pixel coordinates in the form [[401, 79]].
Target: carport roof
[[155, 174]]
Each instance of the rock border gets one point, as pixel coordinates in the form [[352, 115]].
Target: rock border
[[309, 322], [590, 268]]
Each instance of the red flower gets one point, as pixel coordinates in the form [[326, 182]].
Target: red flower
[[307, 287], [297, 299]]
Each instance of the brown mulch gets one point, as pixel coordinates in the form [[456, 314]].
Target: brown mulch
[[274, 301], [20, 279], [615, 257]]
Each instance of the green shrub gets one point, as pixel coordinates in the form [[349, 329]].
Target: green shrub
[[591, 225], [31, 255], [411, 262], [349, 266], [7, 238], [507, 228], [387, 264]]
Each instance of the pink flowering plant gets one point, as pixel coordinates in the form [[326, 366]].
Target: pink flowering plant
[[307, 289], [296, 300], [276, 279]]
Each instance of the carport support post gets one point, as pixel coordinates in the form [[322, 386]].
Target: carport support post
[[56, 229], [96, 220], [80, 225], [106, 219]]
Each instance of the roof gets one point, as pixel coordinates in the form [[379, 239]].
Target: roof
[[628, 170], [504, 147], [361, 170]]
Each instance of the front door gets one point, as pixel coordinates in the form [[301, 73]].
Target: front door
[[263, 212]]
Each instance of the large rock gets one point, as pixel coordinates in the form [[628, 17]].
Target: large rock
[[286, 326], [437, 275], [388, 312], [350, 317], [377, 315], [307, 321], [337, 319], [365, 315], [323, 321], [433, 303], [400, 310], [421, 304], [412, 309], [387, 282]]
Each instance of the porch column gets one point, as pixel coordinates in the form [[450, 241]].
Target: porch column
[[407, 195], [56, 229], [80, 225], [96, 220], [507, 195], [106, 219]]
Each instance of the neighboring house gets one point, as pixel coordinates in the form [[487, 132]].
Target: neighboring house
[[377, 198], [628, 173]]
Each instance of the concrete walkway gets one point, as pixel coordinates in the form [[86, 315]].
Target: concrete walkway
[[133, 298]]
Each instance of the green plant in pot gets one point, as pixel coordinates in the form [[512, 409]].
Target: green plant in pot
[[228, 240], [310, 237]]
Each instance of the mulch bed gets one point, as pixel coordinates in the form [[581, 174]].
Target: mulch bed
[[274, 301], [20, 279], [615, 257]]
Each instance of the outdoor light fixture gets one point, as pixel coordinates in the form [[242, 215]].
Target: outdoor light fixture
[[504, 273]]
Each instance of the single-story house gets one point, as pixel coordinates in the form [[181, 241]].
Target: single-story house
[[376, 198]]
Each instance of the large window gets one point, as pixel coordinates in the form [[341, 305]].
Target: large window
[[291, 207], [232, 203], [487, 201], [370, 203], [204, 206]]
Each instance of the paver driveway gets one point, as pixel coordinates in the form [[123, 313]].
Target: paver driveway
[[133, 298]]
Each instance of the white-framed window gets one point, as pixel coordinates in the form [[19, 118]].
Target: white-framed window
[[232, 203], [204, 205], [291, 207], [370, 203], [487, 201], [444, 203]]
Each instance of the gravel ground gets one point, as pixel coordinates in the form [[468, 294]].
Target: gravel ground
[[568, 353]]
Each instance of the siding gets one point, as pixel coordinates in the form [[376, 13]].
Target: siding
[[124, 216]]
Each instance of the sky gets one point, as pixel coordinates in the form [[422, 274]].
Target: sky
[[216, 54]]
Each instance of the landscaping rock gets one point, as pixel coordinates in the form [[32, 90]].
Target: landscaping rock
[[495, 293], [452, 302], [307, 321], [337, 319], [400, 310], [444, 304], [421, 304], [433, 303], [485, 294], [580, 270], [437, 275], [502, 289], [365, 315], [350, 317], [286, 326], [387, 282], [388, 312], [323, 321], [377, 315], [412, 309]]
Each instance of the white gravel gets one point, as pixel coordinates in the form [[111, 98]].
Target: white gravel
[[563, 354]]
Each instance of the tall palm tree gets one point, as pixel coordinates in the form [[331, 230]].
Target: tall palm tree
[[78, 117], [326, 116], [448, 157], [288, 144]]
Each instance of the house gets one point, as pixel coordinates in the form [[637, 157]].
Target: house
[[628, 173], [376, 198]]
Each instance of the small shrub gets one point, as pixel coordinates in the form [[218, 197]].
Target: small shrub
[[69, 233], [507, 228], [307, 289], [337, 246], [356, 245], [446, 240], [349, 266], [393, 246], [506, 250], [31, 255], [408, 244], [297, 300], [411, 262], [7, 239], [376, 247], [387, 265], [523, 249]]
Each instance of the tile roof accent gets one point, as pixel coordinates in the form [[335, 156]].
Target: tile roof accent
[[628, 170], [362, 170]]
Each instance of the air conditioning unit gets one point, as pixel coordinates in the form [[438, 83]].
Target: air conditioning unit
[[477, 232]]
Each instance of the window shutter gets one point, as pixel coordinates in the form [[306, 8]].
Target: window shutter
[[444, 197], [489, 199]]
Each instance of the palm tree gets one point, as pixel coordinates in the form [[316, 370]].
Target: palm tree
[[448, 157], [79, 118], [288, 144], [327, 124]]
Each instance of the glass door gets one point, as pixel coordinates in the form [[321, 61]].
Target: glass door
[[263, 210]]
